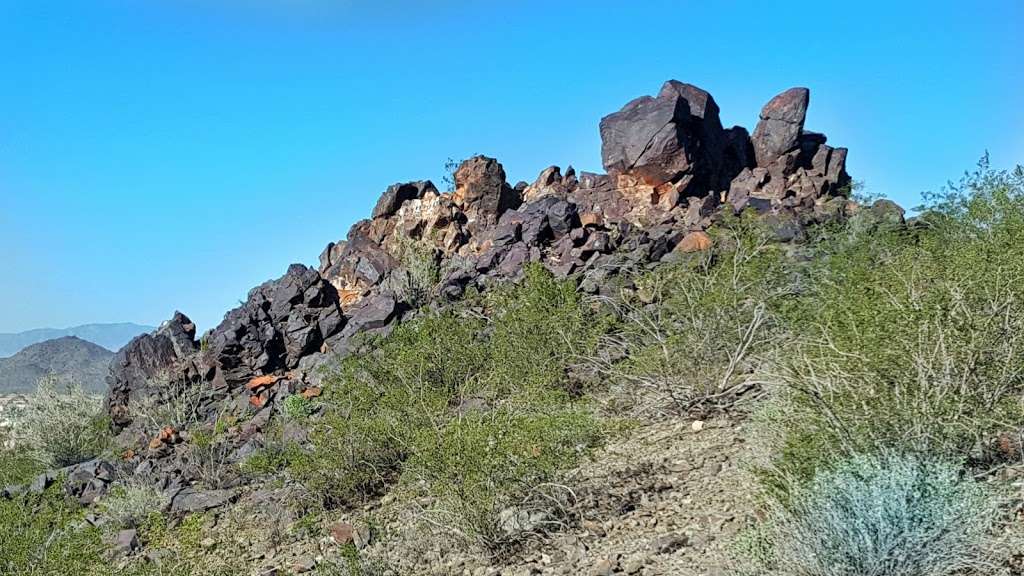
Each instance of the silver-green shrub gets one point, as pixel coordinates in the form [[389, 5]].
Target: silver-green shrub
[[61, 425], [883, 516], [132, 503]]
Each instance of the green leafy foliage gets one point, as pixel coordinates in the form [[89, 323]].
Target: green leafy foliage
[[693, 330], [44, 535], [468, 404], [909, 340]]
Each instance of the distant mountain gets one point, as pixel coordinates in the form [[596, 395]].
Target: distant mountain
[[110, 336], [69, 358]]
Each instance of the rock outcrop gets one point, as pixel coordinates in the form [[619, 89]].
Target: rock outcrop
[[672, 171]]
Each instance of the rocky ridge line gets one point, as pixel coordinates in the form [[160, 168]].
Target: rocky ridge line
[[672, 172]]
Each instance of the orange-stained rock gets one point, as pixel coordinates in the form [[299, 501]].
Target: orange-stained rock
[[348, 297], [155, 443], [694, 242], [259, 400], [591, 219], [262, 382], [312, 392], [167, 434], [128, 454]]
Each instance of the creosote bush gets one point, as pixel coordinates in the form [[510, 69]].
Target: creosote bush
[[886, 515], [468, 405], [693, 330], [61, 425], [909, 340]]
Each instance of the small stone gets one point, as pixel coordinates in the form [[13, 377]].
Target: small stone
[[697, 425], [669, 543], [342, 533], [605, 567], [126, 542], [303, 565]]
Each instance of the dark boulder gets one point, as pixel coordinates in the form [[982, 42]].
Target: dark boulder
[[190, 501], [780, 126], [147, 362], [482, 192], [674, 137], [281, 322]]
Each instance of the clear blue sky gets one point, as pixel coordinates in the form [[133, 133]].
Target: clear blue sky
[[167, 154]]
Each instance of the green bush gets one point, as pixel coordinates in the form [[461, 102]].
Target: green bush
[[132, 503], [469, 404], [274, 454], [908, 339], [297, 407], [897, 516], [62, 426], [693, 330], [45, 535], [17, 466]]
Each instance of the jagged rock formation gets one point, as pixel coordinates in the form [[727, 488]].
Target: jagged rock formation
[[672, 170]]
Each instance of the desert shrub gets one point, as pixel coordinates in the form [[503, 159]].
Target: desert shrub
[[132, 503], [377, 402], [275, 453], [891, 515], [490, 473], [61, 426], [17, 466], [208, 457], [43, 534], [468, 404], [418, 274], [692, 330], [175, 403], [297, 407], [909, 339], [537, 330]]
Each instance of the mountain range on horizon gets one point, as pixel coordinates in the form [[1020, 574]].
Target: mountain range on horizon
[[68, 358], [111, 336]]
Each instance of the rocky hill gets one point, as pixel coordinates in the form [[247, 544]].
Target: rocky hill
[[109, 336], [672, 171], [69, 358], [582, 374]]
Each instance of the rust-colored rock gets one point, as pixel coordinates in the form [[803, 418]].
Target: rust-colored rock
[[168, 435], [694, 242], [260, 382], [312, 392], [342, 533], [258, 400]]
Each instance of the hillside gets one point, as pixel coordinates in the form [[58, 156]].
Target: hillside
[[109, 336], [69, 358], [711, 359]]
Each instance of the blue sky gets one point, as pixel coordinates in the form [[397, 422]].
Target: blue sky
[[171, 154]]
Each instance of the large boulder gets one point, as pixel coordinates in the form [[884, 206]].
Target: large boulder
[[675, 137], [281, 322], [148, 362], [482, 192], [398, 194], [781, 124]]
